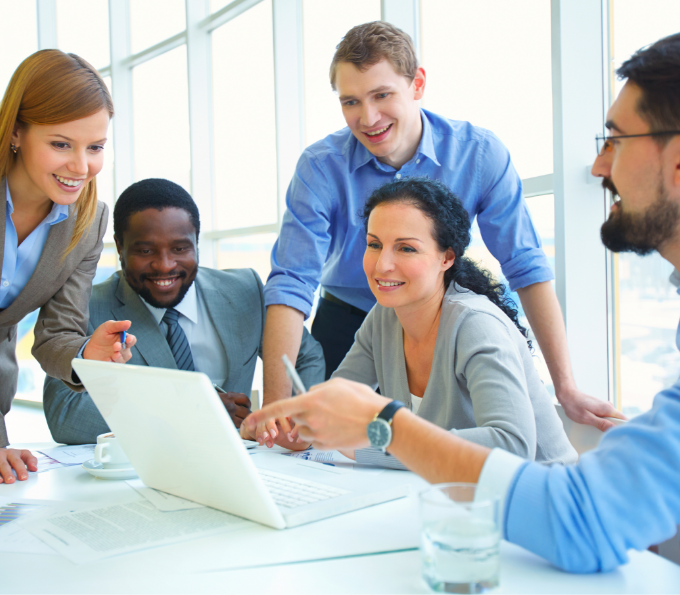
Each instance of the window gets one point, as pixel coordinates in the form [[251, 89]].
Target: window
[[489, 62], [152, 21], [83, 29], [17, 41], [161, 118], [647, 308], [251, 252], [244, 120]]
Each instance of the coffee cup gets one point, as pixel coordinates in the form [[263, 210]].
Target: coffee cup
[[109, 453]]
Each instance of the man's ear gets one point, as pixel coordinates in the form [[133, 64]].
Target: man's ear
[[119, 247], [419, 84], [674, 146]]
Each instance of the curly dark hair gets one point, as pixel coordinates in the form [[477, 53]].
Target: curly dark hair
[[152, 193], [450, 229]]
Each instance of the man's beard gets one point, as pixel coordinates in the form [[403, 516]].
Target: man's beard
[[144, 292], [641, 233]]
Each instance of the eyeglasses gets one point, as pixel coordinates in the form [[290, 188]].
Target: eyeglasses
[[605, 143]]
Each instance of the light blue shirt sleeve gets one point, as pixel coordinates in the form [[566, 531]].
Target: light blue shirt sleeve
[[623, 495], [504, 220], [301, 249]]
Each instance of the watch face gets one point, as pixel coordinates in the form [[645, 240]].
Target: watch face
[[379, 433]]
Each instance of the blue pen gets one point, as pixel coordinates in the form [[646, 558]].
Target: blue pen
[[122, 339]]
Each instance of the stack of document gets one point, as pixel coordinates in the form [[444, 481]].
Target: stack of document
[[144, 518]]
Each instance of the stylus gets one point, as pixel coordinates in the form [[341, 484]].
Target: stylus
[[298, 387]]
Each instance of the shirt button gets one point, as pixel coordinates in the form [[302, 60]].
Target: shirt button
[[417, 160], [398, 176], [5, 283]]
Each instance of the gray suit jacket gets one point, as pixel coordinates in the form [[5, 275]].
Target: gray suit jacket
[[235, 303], [60, 287]]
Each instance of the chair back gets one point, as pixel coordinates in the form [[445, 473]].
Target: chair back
[[582, 437]]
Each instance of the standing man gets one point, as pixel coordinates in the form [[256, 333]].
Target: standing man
[[379, 83]]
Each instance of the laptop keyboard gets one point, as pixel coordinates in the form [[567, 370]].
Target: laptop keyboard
[[289, 492]]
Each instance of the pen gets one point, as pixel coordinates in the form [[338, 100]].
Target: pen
[[122, 339], [298, 387], [218, 388]]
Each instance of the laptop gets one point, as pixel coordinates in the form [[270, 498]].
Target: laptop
[[180, 440]]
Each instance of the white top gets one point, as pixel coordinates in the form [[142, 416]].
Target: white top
[[415, 403], [206, 348]]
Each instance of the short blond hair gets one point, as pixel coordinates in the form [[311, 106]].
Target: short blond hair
[[366, 45]]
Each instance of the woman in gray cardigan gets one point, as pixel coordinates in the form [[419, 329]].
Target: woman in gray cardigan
[[443, 338]]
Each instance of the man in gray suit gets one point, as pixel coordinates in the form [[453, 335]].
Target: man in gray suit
[[184, 316]]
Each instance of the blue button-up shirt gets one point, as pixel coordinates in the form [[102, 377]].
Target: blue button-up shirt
[[323, 238], [19, 261]]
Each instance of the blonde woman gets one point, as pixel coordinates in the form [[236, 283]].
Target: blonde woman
[[54, 119]]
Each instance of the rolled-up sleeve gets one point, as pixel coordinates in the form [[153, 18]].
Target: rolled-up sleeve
[[623, 495], [504, 220], [300, 252]]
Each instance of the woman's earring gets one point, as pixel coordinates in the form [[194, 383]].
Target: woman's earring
[[14, 148]]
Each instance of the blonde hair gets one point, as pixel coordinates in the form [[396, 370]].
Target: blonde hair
[[51, 87]]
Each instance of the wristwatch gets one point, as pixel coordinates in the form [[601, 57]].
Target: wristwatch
[[379, 431]]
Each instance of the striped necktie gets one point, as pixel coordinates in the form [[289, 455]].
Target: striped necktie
[[177, 341]]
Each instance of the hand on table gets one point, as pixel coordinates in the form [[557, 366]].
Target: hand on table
[[332, 415], [271, 432], [237, 405], [279, 436], [584, 409], [104, 344], [19, 460]]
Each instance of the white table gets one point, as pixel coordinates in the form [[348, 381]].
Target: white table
[[367, 551]]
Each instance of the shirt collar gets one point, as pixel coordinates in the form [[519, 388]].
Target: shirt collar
[[56, 215], [188, 307], [361, 155]]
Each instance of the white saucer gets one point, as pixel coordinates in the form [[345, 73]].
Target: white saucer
[[97, 469]]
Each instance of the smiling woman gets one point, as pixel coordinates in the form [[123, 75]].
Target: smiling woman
[[443, 338], [54, 119]]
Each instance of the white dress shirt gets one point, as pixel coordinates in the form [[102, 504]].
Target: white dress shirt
[[206, 347]]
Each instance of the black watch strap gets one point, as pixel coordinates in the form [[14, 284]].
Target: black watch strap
[[390, 409]]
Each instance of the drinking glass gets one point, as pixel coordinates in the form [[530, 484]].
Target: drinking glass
[[460, 538]]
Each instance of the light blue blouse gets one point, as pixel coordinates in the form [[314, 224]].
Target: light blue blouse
[[19, 261]]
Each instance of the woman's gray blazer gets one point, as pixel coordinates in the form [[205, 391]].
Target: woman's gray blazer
[[483, 385], [60, 287]]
